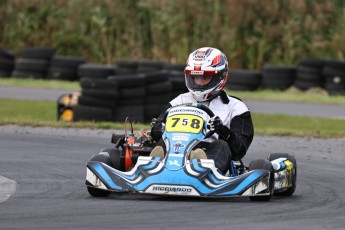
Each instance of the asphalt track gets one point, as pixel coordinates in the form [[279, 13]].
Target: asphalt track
[[48, 166]]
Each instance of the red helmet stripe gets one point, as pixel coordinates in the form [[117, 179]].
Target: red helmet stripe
[[216, 60]]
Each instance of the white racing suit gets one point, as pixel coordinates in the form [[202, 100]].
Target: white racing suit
[[234, 114]]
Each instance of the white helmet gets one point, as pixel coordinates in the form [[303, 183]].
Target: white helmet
[[205, 62]]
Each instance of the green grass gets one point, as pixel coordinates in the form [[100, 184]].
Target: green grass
[[39, 83], [317, 96], [43, 113]]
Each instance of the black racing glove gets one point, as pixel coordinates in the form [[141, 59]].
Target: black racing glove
[[153, 122], [216, 124]]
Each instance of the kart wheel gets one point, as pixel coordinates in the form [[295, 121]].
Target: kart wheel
[[95, 191], [291, 158], [263, 164], [115, 158]]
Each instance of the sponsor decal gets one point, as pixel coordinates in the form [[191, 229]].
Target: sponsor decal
[[175, 162], [186, 111], [199, 56], [180, 138], [177, 147], [196, 72], [172, 189]]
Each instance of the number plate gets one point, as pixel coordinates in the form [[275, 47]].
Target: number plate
[[184, 123]]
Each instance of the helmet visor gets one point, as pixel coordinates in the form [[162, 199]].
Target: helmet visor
[[202, 82]]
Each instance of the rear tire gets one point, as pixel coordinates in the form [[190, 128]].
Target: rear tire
[[291, 158], [115, 158], [96, 192], [263, 164]]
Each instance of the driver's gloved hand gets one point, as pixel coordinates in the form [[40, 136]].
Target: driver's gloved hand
[[216, 124], [153, 122]]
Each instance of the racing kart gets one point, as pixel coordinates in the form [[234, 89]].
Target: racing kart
[[128, 167]]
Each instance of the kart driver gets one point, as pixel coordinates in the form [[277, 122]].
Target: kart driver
[[206, 74]]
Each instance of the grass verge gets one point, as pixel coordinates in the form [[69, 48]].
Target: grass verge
[[39, 83], [43, 113]]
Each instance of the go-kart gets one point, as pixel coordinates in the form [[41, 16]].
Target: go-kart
[[128, 168]]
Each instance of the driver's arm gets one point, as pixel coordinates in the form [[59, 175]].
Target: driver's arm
[[241, 135], [157, 127]]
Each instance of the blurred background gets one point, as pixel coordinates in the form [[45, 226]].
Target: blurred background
[[251, 33]]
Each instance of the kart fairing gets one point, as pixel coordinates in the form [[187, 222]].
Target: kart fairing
[[176, 174]]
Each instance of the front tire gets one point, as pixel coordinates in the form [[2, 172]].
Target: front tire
[[290, 157], [263, 164], [96, 192]]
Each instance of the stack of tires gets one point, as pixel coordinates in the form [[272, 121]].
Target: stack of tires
[[124, 67], [277, 77], [177, 79], [309, 74], [6, 62], [334, 75], [132, 92], [64, 68], [245, 80], [158, 93], [147, 66], [97, 71], [34, 62]]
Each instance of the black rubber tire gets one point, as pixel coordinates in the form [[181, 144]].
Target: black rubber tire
[[158, 99], [278, 77], [6, 65], [62, 73], [6, 54], [312, 62], [95, 71], [129, 81], [94, 83], [134, 112], [101, 93], [146, 66], [130, 93], [5, 74], [71, 62], [116, 160], [126, 67], [32, 65], [91, 113], [159, 88], [175, 67], [95, 191], [241, 79], [156, 77], [291, 158], [38, 53], [131, 101], [27, 74], [263, 164], [97, 102]]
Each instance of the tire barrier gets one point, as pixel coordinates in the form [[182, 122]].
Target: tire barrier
[[309, 74], [241, 79], [6, 63], [278, 77], [334, 73], [34, 62], [64, 68]]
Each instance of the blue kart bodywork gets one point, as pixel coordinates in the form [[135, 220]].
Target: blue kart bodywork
[[176, 174]]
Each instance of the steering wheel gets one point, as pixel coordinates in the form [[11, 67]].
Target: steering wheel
[[199, 106]]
